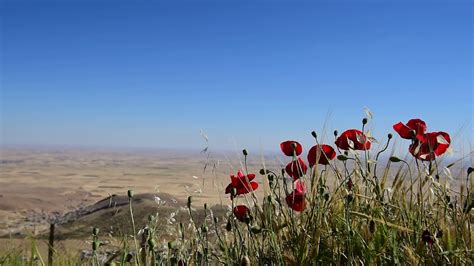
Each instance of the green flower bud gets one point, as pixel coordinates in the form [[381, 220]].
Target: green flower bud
[[190, 200], [151, 243], [372, 226], [395, 159], [255, 229], [342, 157], [130, 193]]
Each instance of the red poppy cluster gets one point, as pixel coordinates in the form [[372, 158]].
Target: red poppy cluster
[[424, 146], [239, 185], [318, 154]]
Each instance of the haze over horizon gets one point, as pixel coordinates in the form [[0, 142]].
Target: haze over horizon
[[154, 74]]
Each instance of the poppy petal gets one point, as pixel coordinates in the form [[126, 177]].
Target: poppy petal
[[296, 169], [357, 138], [402, 130], [300, 186], [327, 154], [241, 212], [296, 201], [287, 147]]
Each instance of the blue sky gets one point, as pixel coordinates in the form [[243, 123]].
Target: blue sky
[[153, 74]]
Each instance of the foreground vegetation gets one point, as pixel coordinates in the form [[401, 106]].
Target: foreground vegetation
[[339, 205]]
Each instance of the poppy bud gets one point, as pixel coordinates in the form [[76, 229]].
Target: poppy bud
[[244, 151], [228, 226], [271, 178], [95, 231], [262, 171], [255, 229], [470, 170], [130, 193], [372, 226], [204, 228], [335, 133], [326, 196], [129, 257], [349, 198], [437, 177], [395, 159], [205, 207], [151, 243], [321, 190], [364, 121], [313, 133], [216, 220], [341, 157], [448, 198], [346, 153], [233, 192], [389, 136], [190, 200]]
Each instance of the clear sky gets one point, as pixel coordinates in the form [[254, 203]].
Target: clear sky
[[250, 74]]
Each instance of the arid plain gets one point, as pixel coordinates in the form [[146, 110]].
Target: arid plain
[[36, 183]]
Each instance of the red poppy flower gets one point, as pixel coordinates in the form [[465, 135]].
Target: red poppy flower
[[296, 201], [358, 139], [433, 144], [291, 147], [414, 127], [241, 183], [296, 169], [241, 212], [324, 152]]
